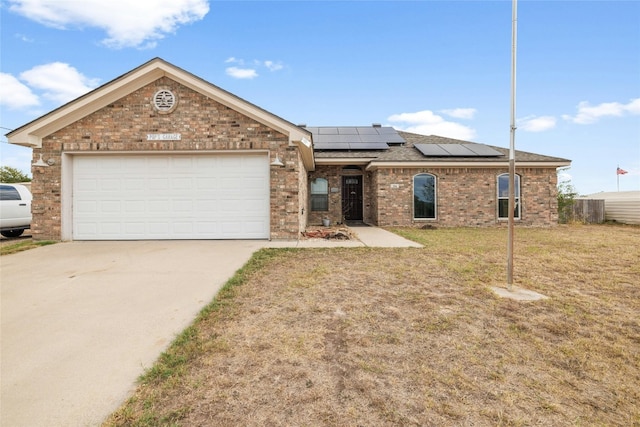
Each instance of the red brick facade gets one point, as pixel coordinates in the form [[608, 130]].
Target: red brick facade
[[464, 196], [204, 124]]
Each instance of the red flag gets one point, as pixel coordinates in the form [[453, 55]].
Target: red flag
[[621, 171]]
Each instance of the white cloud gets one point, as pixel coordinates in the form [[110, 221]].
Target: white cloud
[[537, 124], [127, 23], [60, 82], [241, 73], [461, 113], [14, 94], [250, 73], [427, 123], [588, 114], [24, 38], [273, 66]]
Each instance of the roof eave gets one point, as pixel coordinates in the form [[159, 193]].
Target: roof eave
[[452, 164], [329, 161]]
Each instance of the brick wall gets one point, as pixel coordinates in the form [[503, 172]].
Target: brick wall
[[465, 196], [203, 124], [334, 174]]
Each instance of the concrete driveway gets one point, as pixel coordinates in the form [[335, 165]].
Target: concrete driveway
[[81, 321]]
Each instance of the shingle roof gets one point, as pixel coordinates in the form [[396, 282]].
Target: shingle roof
[[408, 153]]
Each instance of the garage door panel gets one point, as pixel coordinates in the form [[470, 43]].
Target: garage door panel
[[206, 207], [113, 184], [111, 206], [182, 206], [253, 226], [207, 183], [134, 206], [86, 184], [134, 183], [157, 206], [182, 183], [184, 163], [171, 197], [159, 183]]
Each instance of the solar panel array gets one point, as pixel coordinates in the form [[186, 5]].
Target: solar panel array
[[354, 138], [457, 150]]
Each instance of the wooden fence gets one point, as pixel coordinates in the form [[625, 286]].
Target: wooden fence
[[588, 211]]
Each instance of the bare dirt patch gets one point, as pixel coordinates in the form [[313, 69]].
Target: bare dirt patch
[[382, 337]]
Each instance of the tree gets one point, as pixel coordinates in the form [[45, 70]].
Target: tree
[[10, 175], [566, 196]]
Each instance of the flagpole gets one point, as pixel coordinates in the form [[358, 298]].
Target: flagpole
[[512, 157], [618, 177]]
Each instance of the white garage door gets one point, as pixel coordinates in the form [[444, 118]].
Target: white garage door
[[140, 197]]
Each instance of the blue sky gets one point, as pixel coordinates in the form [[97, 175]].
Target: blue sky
[[431, 67]]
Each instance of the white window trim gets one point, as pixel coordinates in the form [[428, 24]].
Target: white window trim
[[518, 199], [311, 194]]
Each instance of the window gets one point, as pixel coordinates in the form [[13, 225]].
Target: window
[[319, 195], [9, 192], [424, 196], [503, 196]]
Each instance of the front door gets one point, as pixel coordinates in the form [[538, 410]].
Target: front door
[[352, 198]]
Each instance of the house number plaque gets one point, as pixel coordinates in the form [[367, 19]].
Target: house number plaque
[[164, 137]]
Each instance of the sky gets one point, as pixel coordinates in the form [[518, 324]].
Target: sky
[[429, 67]]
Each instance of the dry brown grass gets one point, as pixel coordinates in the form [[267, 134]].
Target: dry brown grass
[[395, 337]]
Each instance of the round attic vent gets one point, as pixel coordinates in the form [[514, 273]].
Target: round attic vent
[[164, 100]]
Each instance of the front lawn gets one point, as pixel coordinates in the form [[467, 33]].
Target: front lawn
[[400, 337]]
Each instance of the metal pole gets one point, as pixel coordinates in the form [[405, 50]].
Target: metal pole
[[512, 156]]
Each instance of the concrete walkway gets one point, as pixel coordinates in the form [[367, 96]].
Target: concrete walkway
[[366, 236], [81, 321], [378, 238]]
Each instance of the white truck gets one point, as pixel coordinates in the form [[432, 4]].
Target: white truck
[[15, 209]]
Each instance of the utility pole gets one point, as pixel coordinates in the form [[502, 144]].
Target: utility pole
[[512, 155]]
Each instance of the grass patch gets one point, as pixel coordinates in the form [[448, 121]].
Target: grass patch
[[12, 248], [408, 336], [172, 365]]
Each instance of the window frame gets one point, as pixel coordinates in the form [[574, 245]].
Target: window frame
[[9, 193], [501, 199], [322, 197], [435, 197]]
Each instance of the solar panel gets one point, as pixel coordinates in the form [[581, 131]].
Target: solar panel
[[327, 131], [347, 131], [483, 150], [432, 150], [354, 138], [372, 138], [326, 138], [394, 139], [386, 130], [321, 145], [457, 150], [369, 146], [367, 131]]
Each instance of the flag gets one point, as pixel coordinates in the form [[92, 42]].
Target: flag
[[621, 171]]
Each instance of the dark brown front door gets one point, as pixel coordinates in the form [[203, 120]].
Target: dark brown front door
[[352, 198]]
